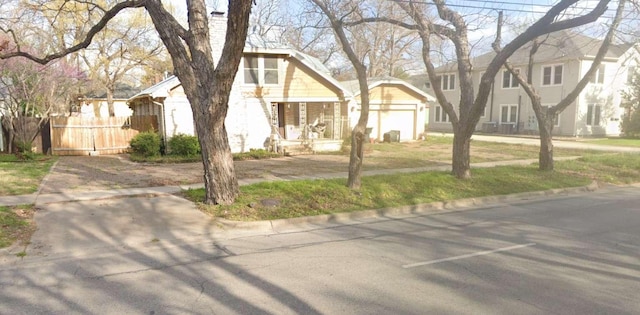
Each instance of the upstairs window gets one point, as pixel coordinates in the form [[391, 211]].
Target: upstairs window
[[251, 70], [270, 70], [631, 73], [598, 77], [509, 81], [448, 82], [260, 70], [552, 75]]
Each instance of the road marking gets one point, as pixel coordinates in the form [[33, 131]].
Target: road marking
[[486, 252]]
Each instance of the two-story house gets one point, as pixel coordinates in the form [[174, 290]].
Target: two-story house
[[561, 61]]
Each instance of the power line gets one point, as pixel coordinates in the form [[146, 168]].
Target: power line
[[506, 9]]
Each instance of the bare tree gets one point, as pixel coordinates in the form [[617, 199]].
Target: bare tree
[[546, 115], [206, 82], [337, 12]]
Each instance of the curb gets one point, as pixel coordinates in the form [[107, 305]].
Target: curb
[[287, 225]]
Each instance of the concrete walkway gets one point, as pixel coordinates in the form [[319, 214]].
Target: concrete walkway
[[535, 141], [40, 199]]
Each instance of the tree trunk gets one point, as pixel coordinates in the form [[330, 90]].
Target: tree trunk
[[357, 157], [461, 167], [112, 111], [221, 184], [546, 144]]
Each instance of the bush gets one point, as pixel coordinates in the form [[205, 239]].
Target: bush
[[184, 145], [631, 124], [146, 144]]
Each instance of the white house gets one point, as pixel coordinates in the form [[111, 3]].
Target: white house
[[559, 64], [278, 93]]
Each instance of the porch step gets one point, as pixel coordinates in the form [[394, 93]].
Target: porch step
[[292, 150]]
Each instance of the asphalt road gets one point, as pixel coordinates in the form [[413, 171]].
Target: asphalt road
[[566, 255]]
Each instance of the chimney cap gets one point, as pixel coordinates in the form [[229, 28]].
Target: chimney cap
[[217, 13]]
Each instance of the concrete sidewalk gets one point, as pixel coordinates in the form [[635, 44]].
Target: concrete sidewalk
[[37, 199], [535, 141]]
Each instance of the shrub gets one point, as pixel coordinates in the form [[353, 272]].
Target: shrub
[[146, 144], [631, 124], [184, 145]]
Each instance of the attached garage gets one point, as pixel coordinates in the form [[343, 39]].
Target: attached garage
[[394, 105]]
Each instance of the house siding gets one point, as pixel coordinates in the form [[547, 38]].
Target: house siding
[[572, 121]]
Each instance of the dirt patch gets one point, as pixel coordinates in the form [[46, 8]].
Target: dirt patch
[[75, 173]]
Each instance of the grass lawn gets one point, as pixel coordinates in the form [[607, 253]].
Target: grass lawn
[[22, 177], [624, 142], [16, 224], [437, 150], [305, 198]]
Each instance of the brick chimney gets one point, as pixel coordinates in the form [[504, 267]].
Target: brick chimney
[[217, 33]]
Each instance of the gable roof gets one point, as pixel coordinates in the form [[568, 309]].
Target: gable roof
[[558, 46], [160, 89], [354, 86], [122, 92], [255, 44]]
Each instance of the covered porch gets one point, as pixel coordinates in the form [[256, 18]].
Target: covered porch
[[308, 126]]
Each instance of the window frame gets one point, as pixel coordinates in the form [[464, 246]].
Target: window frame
[[598, 77], [509, 113], [552, 76], [262, 70], [440, 115], [245, 70], [450, 79], [592, 115], [557, 118], [631, 74], [512, 80]]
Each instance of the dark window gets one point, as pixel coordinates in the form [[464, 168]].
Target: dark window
[[251, 70]]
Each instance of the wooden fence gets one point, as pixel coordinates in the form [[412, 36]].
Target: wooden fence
[[85, 136]]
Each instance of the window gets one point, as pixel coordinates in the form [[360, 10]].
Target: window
[[598, 77], [593, 114], [261, 70], [509, 81], [556, 120], [441, 115], [631, 73], [448, 82], [251, 70], [509, 114], [427, 85], [552, 75], [270, 70]]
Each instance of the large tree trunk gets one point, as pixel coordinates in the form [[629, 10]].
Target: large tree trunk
[[357, 156], [461, 156], [219, 173], [546, 144]]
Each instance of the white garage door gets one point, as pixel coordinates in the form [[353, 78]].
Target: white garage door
[[403, 120]]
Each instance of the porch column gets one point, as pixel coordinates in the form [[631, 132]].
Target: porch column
[[337, 122]]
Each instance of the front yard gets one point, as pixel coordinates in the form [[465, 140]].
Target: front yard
[[22, 177]]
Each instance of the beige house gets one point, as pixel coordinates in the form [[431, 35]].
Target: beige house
[[560, 63], [393, 105]]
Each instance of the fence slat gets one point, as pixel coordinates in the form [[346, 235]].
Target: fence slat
[[82, 135]]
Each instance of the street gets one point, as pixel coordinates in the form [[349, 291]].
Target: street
[[575, 254]]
